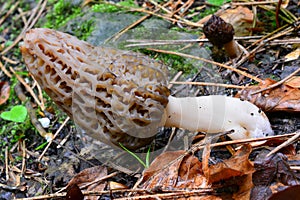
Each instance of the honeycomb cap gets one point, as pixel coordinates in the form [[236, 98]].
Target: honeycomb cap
[[116, 96]]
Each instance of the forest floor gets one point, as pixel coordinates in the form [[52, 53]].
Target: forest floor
[[43, 156]]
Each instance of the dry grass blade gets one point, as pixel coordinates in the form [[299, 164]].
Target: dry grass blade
[[36, 13], [208, 84], [279, 82], [209, 61], [9, 12], [286, 143], [50, 142], [28, 88]]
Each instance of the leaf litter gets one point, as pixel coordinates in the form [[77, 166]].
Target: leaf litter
[[238, 177]]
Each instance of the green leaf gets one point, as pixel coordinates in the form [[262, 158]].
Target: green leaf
[[217, 2], [16, 114]]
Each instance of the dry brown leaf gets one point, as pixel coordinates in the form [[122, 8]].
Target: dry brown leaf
[[187, 172], [288, 193], [87, 177], [294, 55], [161, 162], [237, 165], [166, 171], [281, 98], [74, 193], [4, 92], [294, 82], [116, 186]]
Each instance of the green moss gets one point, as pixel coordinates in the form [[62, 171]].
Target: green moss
[[62, 12], [103, 7], [174, 62], [108, 7]]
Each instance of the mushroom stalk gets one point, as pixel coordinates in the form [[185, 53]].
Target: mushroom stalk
[[232, 49], [122, 97], [216, 113]]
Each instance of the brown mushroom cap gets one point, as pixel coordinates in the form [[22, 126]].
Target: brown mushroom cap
[[217, 31], [115, 96]]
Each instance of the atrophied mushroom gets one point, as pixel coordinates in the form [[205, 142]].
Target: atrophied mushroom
[[120, 96], [220, 34]]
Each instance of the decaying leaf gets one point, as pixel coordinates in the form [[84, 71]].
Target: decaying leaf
[[237, 165], [74, 193], [88, 177], [293, 55], [186, 172], [271, 172], [288, 193], [282, 98], [172, 170], [294, 82], [4, 92]]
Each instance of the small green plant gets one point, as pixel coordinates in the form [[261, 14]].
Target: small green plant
[[16, 114], [146, 164], [217, 2], [108, 7], [62, 12]]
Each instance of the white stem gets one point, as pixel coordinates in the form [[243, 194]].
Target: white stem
[[216, 113]]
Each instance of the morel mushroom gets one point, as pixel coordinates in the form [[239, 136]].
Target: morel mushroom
[[121, 97], [220, 34]]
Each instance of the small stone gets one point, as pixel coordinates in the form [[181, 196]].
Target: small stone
[[45, 122]]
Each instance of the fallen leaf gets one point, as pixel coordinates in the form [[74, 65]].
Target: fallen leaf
[[116, 186], [16, 114], [281, 98], [294, 55], [160, 162], [294, 82], [271, 169], [237, 165], [4, 92], [88, 177], [235, 171], [171, 170], [288, 193], [74, 193]]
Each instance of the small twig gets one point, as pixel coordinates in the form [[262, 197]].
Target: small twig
[[277, 83], [187, 22], [98, 180], [5, 70], [6, 164], [28, 88], [208, 84], [23, 158], [208, 61], [9, 12], [31, 111], [174, 79], [13, 62], [114, 38], [30, 24], [262, 42], [50, 142], [253, 3], [286, 143]]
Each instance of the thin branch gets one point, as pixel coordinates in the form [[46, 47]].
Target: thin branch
[[209, 61]]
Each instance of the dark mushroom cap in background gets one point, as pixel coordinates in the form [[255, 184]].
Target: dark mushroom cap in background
[[217, 31]]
